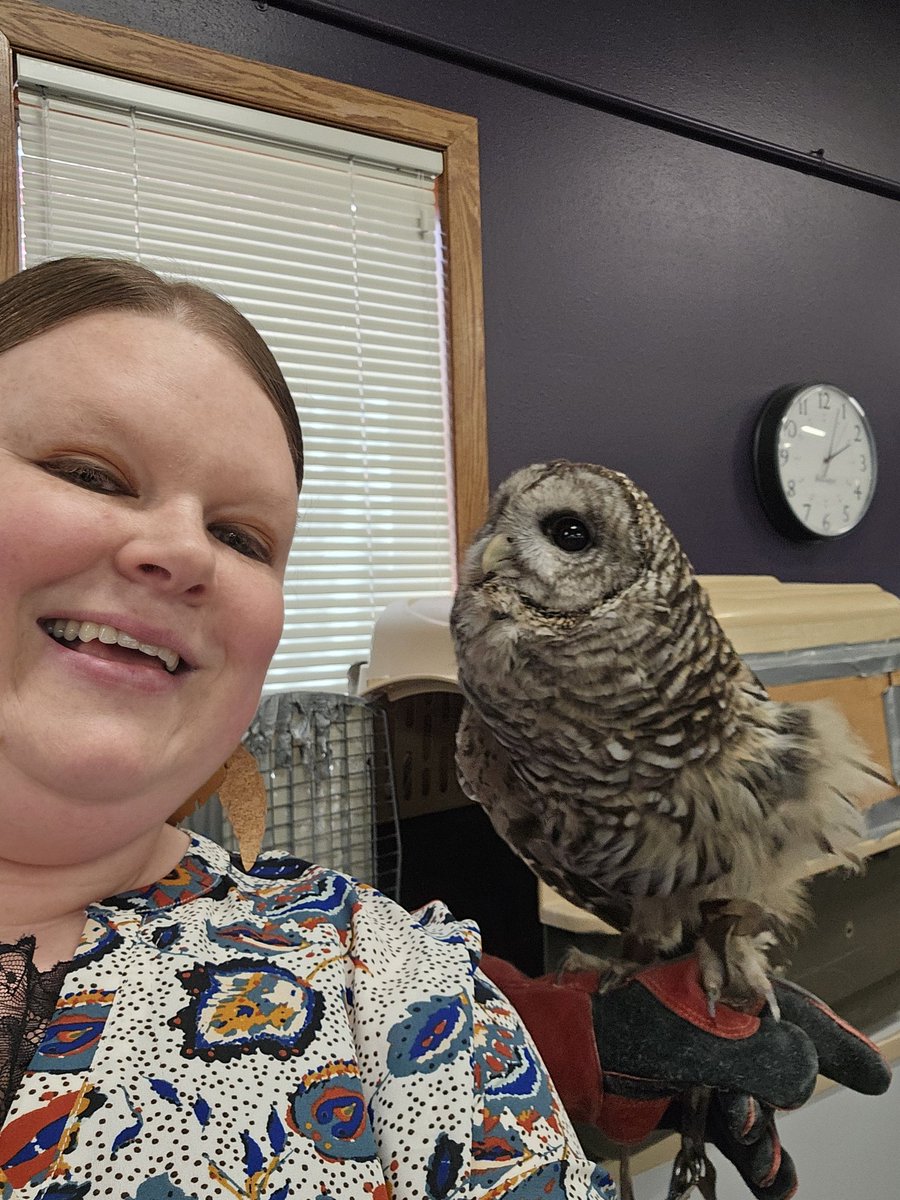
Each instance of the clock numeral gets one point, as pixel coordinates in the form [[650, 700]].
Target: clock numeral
[[791, 487], [784, 454], [863, 463], [843, 410], [857, 492], [846, 512], [790, 428], [824, 401], [858, 437], [826, 523], [803, 406], [807, 509]]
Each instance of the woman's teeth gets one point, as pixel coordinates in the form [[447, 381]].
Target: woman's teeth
[[88, 631]]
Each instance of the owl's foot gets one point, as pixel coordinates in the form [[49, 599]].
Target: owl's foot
[[733, 954], [611, 972]]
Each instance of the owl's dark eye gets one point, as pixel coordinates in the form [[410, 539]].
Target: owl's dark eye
[[567, 531]]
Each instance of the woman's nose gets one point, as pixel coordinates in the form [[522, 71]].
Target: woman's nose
[[170, 549]]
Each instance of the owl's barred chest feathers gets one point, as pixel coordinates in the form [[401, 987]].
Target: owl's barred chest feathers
[[617, 699]]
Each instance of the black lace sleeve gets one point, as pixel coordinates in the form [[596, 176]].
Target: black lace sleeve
[[27, 1000]]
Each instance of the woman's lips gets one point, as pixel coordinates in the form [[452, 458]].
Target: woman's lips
[[70, 632], [115, 653], [110, 666]]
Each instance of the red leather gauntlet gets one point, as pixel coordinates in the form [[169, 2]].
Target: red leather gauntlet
[[657, 1041]]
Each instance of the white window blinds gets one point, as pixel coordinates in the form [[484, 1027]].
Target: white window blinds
[[329, 242]]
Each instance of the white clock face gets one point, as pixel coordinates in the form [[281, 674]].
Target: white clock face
[[826, 460]]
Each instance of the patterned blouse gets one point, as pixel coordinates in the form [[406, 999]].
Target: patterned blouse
[[284, 1033]]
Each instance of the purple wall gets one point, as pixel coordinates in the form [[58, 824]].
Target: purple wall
[[645, 292]]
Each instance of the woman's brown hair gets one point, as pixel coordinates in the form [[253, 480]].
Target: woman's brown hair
[[42, 297]]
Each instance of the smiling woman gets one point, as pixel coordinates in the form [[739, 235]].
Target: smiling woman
[[333, 244], [117, 517], [208, 1030]]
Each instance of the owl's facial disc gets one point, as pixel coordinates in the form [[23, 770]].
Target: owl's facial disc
[[560, 537]]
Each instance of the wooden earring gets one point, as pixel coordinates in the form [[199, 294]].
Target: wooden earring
[[243, 799], [242, 795]]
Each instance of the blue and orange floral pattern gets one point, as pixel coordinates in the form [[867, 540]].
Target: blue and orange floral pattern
[[432, 1032], [225, 1035], [29, 1143], [508, 1069], [265, 937], [330, 1108], [324, 897], [246, 1005], [74, 1032], [99, 937]]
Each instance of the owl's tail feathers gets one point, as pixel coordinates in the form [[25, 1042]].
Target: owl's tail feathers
[[845, 770], [831, 781], [874, 773]]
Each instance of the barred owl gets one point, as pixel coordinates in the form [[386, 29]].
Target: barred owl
[[622, 747]]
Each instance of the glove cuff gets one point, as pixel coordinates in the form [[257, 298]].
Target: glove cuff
[[628, 1119]]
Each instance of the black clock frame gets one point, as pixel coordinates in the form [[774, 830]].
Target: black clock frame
[[765, 466]]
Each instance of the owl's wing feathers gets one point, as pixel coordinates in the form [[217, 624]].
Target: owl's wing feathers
[[486, 776], [773, 798], [744, 823]]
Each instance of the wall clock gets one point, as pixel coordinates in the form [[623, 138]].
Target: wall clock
[[814, 461]]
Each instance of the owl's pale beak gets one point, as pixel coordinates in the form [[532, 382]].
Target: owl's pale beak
[[497, 549]]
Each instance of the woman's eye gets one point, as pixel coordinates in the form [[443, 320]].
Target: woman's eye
[[90, 475], [243, 542]]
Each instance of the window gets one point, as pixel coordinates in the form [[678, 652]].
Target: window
[[333, 251], [333, 244]]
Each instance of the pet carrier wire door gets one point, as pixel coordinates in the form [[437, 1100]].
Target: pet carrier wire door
[[325, 760]]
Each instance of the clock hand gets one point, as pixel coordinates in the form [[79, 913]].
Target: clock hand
[[846, 446], [834, 425], [829, 456]]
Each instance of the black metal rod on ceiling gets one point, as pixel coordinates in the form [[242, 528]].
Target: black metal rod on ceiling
[[811, 163]]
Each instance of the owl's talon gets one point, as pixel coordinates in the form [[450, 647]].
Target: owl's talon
[[611, 972], [733, 967], [712, 974], [774, 1007]]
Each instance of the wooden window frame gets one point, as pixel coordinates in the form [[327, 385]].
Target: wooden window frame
[[28, 28]]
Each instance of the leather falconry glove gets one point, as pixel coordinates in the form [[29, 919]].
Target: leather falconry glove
[[627, 1061]]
